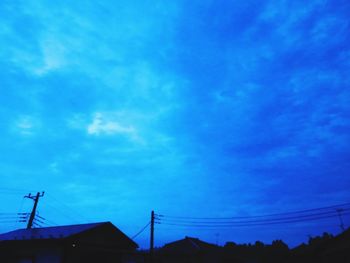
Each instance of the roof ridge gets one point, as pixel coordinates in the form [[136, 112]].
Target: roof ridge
[[50, 232], [45, 227], [193, 243]]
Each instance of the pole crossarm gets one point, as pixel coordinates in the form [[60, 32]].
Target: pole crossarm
[[35, 198]]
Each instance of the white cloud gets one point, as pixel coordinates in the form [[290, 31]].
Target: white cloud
[[26, 125], [53, 167], [53, 57], [102, 124]]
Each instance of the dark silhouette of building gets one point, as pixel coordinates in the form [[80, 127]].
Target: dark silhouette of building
[[97, 242], [189, 250]]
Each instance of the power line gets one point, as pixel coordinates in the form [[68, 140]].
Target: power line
[[245, 224], [38, 220], [37, 215], [294, 217], [299, 217], [142, 229], [10, 216], [53, 208], [59, 208], [257, 216], [63, 206], [51, 222], [62, 213], [44, 220], [36, 224]]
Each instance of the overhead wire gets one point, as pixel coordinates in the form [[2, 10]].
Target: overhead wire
[[142, 229], [36, 224], [59, 211], [57, 207], [12, 191], [252, 224], [66, 207], [38, 220], [13, 217], [300, 216], [45, 221], [256, 216], [20, 213], [50, 223]]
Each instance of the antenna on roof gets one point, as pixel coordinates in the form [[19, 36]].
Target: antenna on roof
[[36, 200]]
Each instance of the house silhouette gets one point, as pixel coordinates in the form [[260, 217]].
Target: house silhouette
[[189, 249], [96, 242]]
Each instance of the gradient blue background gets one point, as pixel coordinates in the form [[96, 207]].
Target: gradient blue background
[[193, 108]]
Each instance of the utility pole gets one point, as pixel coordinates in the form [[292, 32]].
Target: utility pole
[[152, 238], [341, 219], [36, 200]]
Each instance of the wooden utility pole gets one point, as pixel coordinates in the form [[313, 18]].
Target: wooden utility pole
[[339, 211], [36, 200], [151, 249]]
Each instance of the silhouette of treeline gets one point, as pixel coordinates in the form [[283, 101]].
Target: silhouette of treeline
[[321, 249]]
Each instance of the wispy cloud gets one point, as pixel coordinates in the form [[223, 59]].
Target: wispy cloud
[[101, 125], [26, 125]]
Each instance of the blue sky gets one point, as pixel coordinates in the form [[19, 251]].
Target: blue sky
[[200, 108]]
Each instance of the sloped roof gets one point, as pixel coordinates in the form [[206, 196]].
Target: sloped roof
[[188, 245], [56, 232]]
